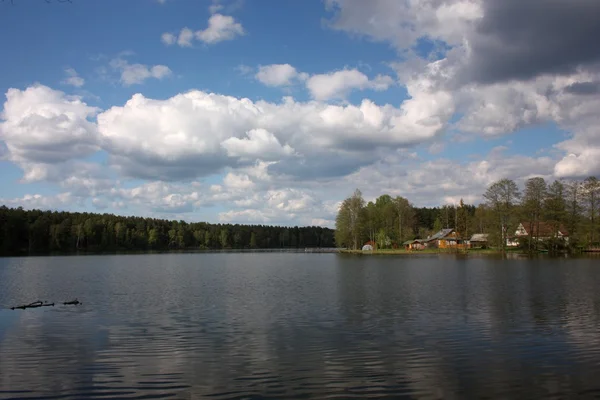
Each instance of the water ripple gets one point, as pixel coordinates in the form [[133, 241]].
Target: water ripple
[[272, 326]]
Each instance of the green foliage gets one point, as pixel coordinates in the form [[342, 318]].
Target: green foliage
[[350, 221], [36, 231], [501, 197]]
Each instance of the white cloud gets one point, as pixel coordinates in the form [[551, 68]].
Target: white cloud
[[279, 75], [132, 74], [333, 85], [402, 23], [62, 201], [183, 136], [220, 28], [259, 144], [160, 197], [168, 38], [339, 83], [497, 84], [186, 35], [42, 126], [73, 78]]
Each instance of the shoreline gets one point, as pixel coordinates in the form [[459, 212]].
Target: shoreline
[[427, 251]]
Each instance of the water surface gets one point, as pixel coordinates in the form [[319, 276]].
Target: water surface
[[291, 326]]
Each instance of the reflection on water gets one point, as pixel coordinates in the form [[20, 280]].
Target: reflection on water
[[282, 326]]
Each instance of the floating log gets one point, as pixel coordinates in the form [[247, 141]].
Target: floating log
[[35, 304], [72, 302]]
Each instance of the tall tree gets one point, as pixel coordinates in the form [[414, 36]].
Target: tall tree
[[532, 205], [462, 220], [501, 197], [573, 209], [348, 224], [591, 197], [555, 205], [371, 224], [404, 215], [224, 238]]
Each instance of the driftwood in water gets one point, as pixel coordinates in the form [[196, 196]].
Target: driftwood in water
[[35, 304], [72, 302]]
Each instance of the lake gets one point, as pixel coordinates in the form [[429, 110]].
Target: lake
[[295, 325]]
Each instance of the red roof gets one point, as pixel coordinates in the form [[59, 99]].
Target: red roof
[[546, 229]]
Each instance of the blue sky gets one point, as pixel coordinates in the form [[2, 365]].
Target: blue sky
[[262, 112]]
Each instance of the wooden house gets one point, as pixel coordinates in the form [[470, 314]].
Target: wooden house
[[416, 244], [447, 239], [541, 231]]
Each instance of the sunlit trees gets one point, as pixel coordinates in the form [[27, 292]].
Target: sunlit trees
[[501, 197], [405, 215], [349, 221]]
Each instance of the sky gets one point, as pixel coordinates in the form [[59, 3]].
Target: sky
[[272, 113]]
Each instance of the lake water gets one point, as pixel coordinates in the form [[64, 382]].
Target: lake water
[[285, 326]]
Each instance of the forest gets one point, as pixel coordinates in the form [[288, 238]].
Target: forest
[[42, 232], [571, 206]]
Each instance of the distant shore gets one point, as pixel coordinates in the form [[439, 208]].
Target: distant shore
[[425, 251]]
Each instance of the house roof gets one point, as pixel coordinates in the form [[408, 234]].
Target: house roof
[[546, 229], [441, 234], [480, 237]]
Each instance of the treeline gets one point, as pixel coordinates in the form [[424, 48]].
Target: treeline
[[36, 231], [571, 206]]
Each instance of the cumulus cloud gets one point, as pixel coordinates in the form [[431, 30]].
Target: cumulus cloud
[[198, 133], [132, 74], [504, 65], [62, 201], [279, 75], [333, 85], [220, 28], [168, 38], [73, 78], [402, 23], [43, 126], [259, 144], [339, 83], [160, 197], [496, 68]]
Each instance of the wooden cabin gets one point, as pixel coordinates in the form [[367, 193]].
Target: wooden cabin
[[416, 244], [447, 239]]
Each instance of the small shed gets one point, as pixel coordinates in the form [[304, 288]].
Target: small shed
[[479, 240]]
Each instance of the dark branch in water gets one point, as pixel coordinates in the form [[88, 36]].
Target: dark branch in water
[[35, 304], [47, 1], [40, 303]]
